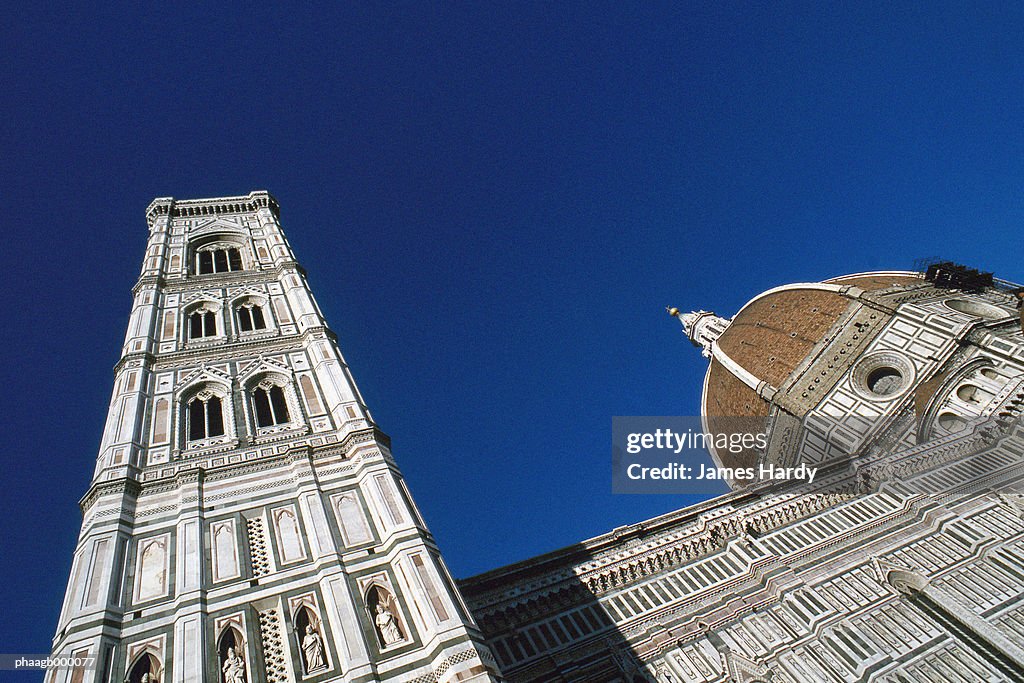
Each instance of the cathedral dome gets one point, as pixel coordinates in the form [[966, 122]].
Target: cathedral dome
[[774, 332], [754, 354]]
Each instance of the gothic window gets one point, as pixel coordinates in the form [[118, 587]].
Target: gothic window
[[202, 324], [250, 317], [218, 260], [270, 405], [205, 417]]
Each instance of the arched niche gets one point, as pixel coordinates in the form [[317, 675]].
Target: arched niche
[[942, 409], [951, 422], [231, 656], [386, 617], [971, 393], [310, 637], [145, 669]]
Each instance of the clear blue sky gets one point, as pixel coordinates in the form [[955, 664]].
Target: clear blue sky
[[494, 204]]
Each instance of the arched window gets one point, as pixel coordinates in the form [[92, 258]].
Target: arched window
[[218, 259], [250, 317], [205, 416], [202, 323], [270, 405]]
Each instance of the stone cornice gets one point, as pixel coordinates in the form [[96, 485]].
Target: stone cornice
[[186, 471], [238, 350], [191, 283], [217, 206], [224, 352], [122, 485]]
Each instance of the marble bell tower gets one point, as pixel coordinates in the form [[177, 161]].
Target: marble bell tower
[[246, 522]]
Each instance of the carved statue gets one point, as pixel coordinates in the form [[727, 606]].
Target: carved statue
[[388, 627], [313, 649], [234, 668]]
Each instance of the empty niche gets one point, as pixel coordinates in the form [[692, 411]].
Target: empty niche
[[225, 551], [289, 537], [970, 393], [354, 527], [152, 568]]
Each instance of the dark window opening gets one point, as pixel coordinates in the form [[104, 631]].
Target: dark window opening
[[250, 317], [244, 320], [205, 418], [196, 420], [271, 406], [219, 261], [202, 324], [205, 262]]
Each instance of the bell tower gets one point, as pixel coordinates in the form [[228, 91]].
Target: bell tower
[[246, 522]]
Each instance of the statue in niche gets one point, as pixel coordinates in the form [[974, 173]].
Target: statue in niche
[[144, 670], [387, 626], [234, 668], [313, 649]]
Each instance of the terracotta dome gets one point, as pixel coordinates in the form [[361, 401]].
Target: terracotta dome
[[774, 332], [767, 340]]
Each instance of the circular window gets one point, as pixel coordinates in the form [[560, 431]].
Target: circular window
[[883, 375], [979, 309], [884, 381]]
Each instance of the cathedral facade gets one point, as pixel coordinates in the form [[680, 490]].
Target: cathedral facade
[[247, 523]]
